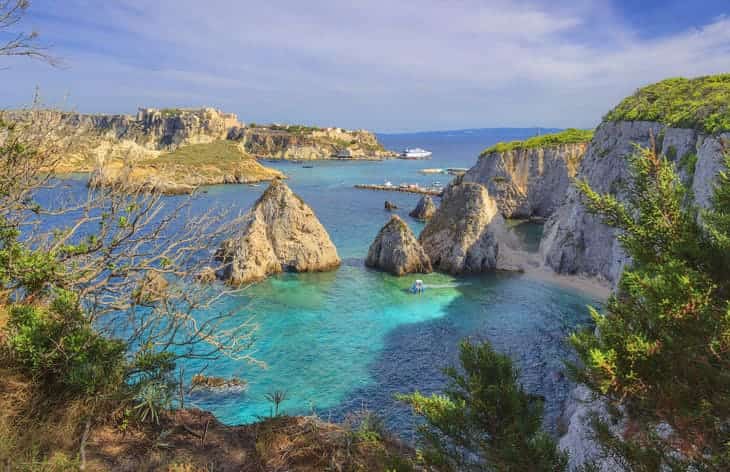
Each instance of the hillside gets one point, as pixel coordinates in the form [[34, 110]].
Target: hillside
[[187, 167]]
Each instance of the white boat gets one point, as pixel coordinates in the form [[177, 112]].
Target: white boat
[[416, 153]]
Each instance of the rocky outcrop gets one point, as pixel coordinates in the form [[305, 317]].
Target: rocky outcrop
[[425, 209], [280, 233], [528, 182], [576, 242], [396, 250], [295, 142], [390, 206], [467, 232]]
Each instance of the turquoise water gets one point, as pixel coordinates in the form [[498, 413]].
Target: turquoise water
[[350, 339]]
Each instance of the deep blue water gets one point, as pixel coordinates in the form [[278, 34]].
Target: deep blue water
[[350, 339]]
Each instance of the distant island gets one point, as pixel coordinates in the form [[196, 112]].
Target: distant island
[[175, 150]]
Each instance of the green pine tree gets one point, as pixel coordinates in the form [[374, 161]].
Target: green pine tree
[[662, 346], [484, 420]]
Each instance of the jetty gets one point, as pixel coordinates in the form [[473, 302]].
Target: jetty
[[407, 188]]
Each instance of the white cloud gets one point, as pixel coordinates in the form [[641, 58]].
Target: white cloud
[[379, 64]]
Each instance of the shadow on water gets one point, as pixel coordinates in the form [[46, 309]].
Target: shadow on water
[[528, 320]]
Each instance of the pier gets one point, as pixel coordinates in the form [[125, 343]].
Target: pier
[[407, 188]]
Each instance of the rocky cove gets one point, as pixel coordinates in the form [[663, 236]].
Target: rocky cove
[[325, 270], [467, 234]]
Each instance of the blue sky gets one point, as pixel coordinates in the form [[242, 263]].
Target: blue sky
[[377, 64]]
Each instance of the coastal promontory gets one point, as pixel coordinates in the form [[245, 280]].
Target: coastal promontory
[[280, 233], [530, 178], [396, 250]]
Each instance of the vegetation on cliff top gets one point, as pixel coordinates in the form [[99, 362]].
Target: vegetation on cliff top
[[702, 103], [568, 136]]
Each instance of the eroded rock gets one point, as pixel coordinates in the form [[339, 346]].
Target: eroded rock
[[396, 250], [425, 208], [280, 233], [466, 232]]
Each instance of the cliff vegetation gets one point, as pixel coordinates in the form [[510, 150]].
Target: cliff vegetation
[[702, 103], [568, 136]]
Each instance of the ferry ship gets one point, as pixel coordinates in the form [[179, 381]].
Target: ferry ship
[[415, 153]]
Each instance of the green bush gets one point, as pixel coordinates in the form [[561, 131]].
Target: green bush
[[662, 348], [568, 136], [58, 347], [702, 103], [485, 420]]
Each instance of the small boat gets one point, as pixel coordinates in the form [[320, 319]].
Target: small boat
[[418, 287], [307, 167], [415, 153]]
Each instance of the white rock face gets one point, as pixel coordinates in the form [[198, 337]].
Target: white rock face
[[396, 250], [528, 182], [466, 233], [575, 242], [579, 441], [280, 233]]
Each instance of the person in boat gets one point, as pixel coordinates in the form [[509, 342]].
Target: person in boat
[[418, 287]]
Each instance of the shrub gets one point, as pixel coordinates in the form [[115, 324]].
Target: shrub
[[702, 103], [568, 136], [58, 347], [485, 420]]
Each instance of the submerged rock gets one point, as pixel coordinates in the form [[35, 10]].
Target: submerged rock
[[396, 250], [280, 233], [466, 232], [425, 208]]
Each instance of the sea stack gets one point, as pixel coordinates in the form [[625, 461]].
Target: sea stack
[[396, 250], [280, 233], [425, 209], [465, 233]]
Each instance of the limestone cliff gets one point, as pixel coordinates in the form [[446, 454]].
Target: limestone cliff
[[528, 182], [575, 242], [396, 250], [425, 209], [296, 142], [467, 233], [279, 233]]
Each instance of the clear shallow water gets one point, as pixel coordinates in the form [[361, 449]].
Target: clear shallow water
[[350, 339], [341, 341]]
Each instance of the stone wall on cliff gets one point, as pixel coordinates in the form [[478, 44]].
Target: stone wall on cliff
[[528, 182], [576, 242]]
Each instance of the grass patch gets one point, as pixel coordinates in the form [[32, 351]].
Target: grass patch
[[215, 153], [702, 103], [568, 136]]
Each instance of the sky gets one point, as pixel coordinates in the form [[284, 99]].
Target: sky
[[378, 64]]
